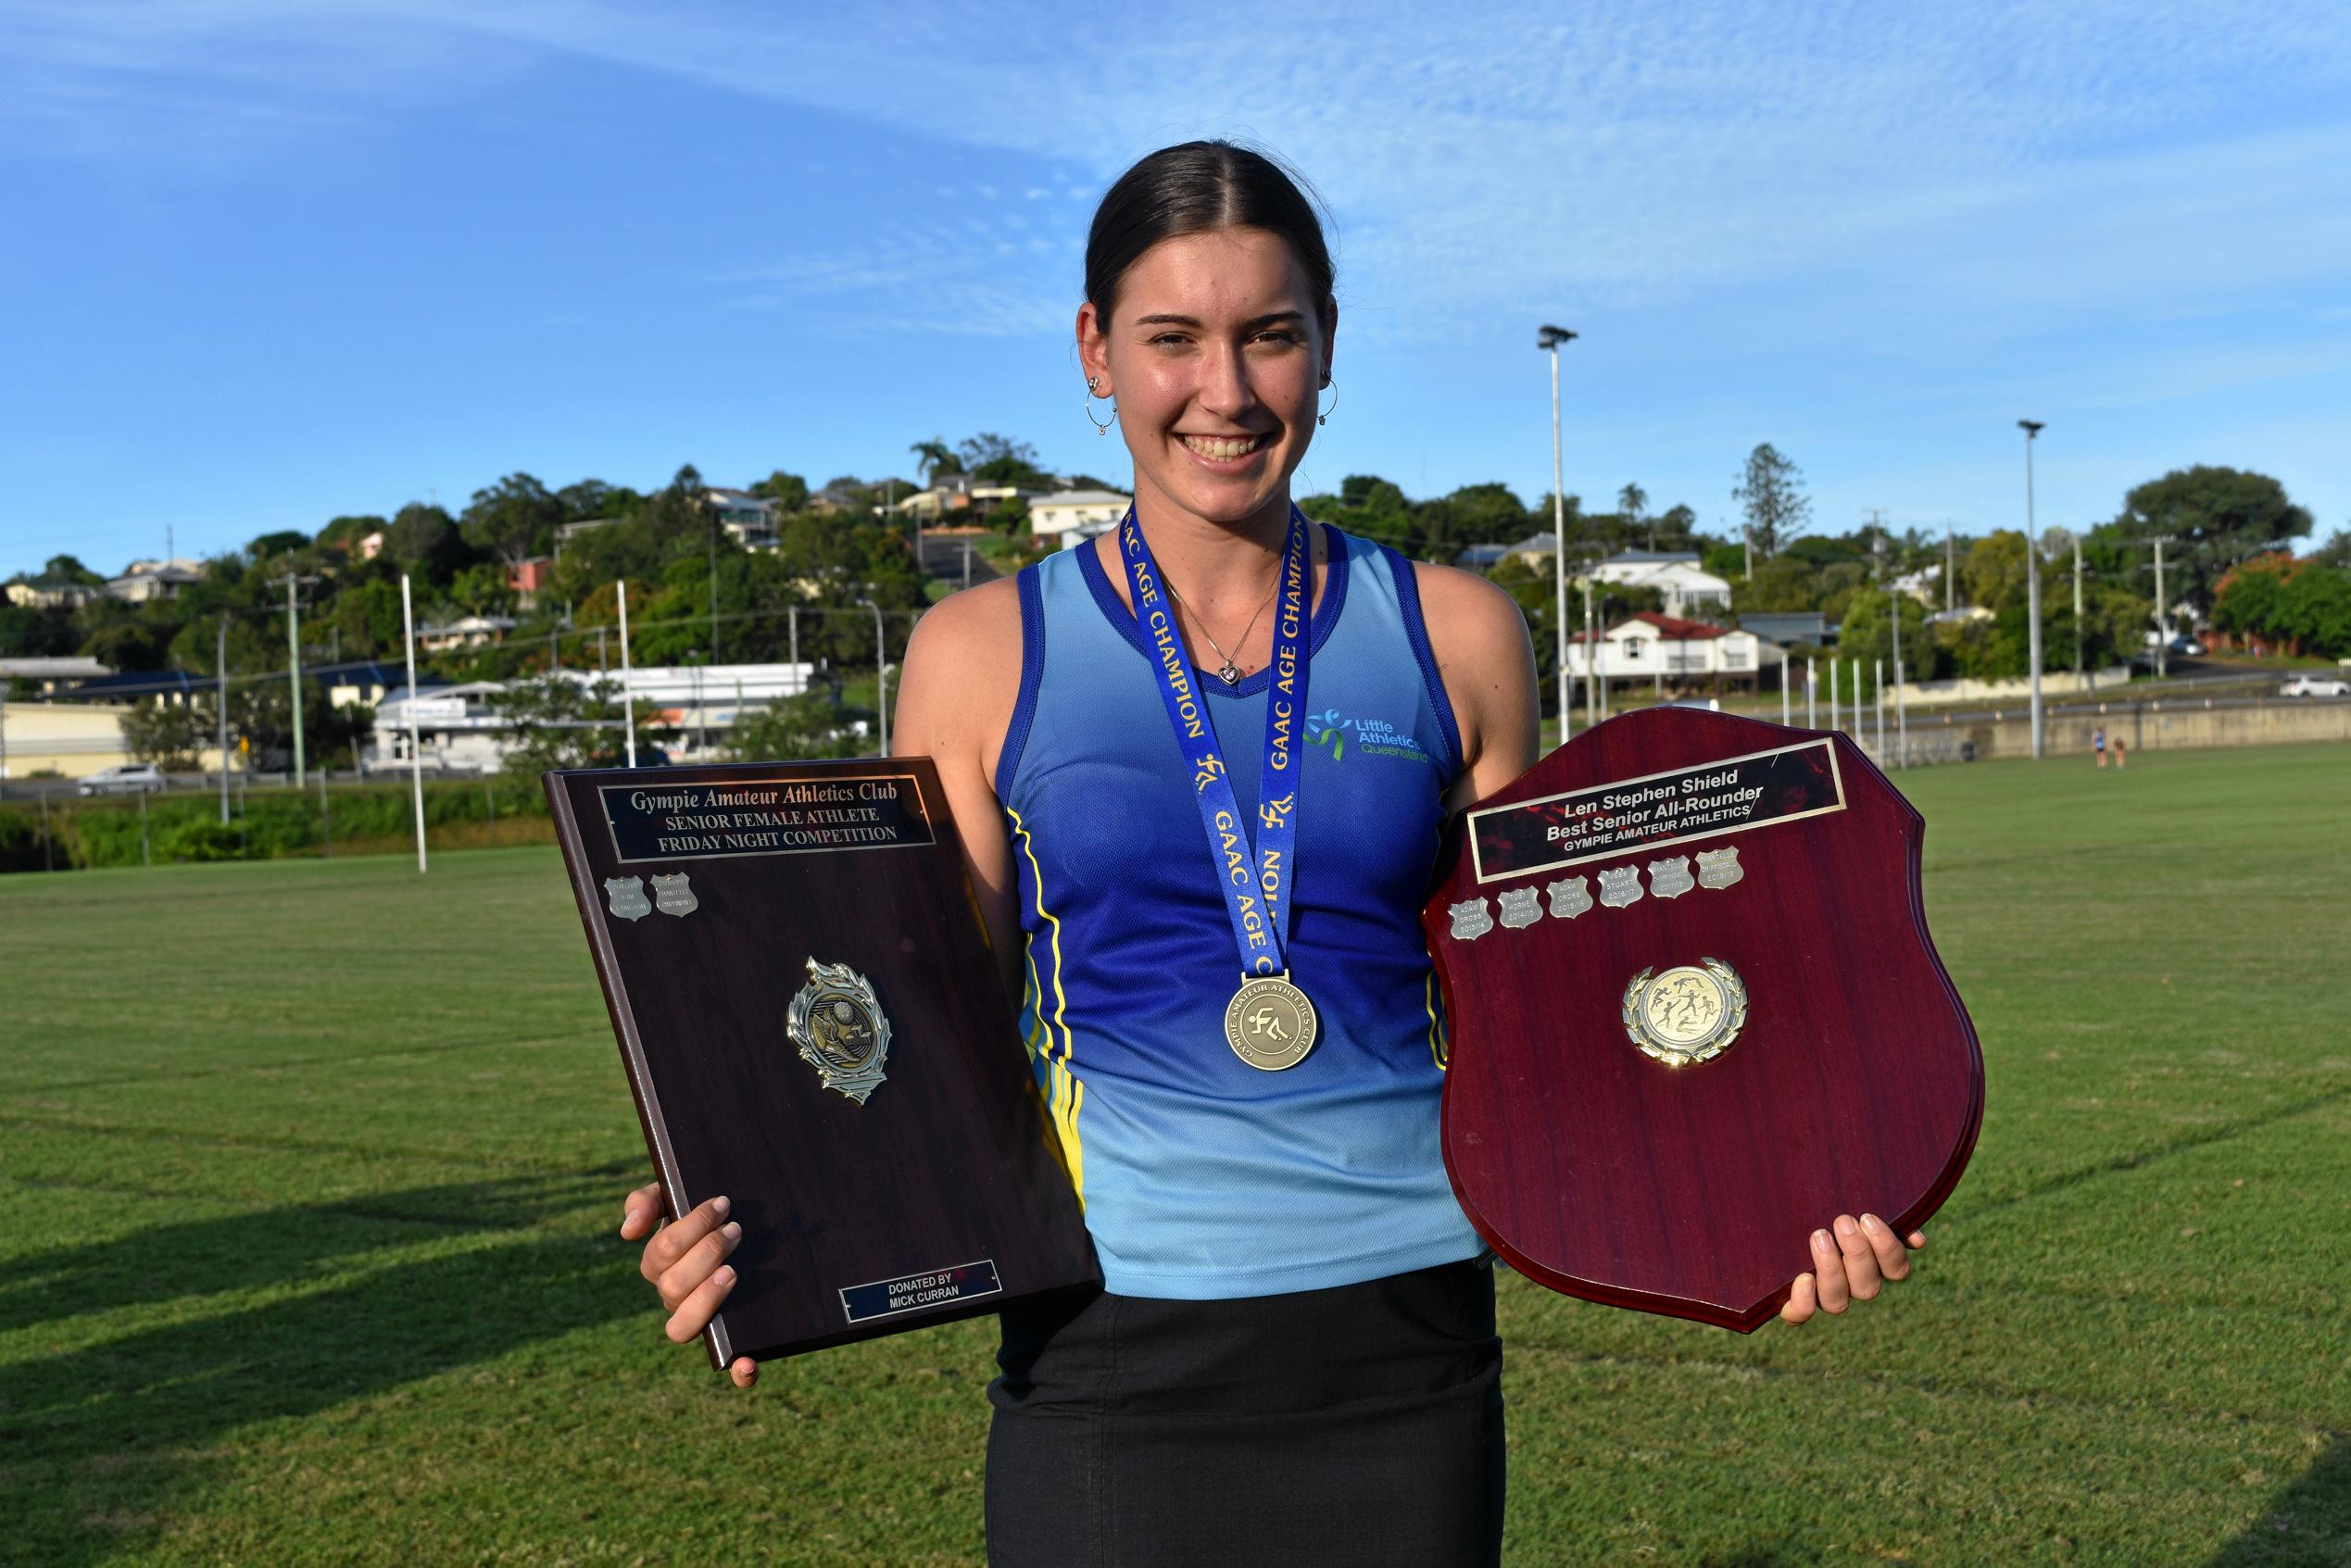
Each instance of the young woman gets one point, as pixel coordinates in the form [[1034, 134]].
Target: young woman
[[1148, 743]]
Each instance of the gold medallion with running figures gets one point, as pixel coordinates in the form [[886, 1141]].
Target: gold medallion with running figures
[[1686, 1014], [1269, 1023]]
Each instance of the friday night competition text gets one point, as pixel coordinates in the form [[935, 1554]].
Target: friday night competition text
[[706, 818], [1694, 800]]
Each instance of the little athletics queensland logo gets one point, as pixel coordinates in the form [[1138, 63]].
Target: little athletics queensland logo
[[1369, 737]]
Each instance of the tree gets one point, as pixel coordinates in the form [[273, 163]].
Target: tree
[[788, 491], [1676, 529], [1770, 496], [1992, 573], [2216, 517], [69, 568], [559, 720], [285, 540], [1631, 501], [424, 540], [1003, 460], [513, 520], [794, 728], [170, 735], [934, 458]]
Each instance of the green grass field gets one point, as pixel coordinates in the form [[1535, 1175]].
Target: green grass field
[[311, 1169]]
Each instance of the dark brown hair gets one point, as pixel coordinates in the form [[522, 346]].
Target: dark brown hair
[[1193, 188]]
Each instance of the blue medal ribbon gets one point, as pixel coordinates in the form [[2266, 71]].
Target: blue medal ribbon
[[1255, 878]]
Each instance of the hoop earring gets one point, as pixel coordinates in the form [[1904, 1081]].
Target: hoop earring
[[1322, 415], [1101, 427]]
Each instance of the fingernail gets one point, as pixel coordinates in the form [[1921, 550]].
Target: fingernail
[[718, 1206], [1820, 1239], [724, 1275], [732, 1231], [1844, 1225], [1871, 1223]]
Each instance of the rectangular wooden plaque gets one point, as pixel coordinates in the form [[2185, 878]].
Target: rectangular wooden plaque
[[900, 1169]]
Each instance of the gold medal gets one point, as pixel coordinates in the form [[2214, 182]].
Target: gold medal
[[1269, 1022]]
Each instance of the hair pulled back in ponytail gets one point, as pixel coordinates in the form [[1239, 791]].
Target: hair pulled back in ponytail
[[1193, 188]]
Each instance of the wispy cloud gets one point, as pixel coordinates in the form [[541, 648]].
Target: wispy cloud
[[1623, 152]]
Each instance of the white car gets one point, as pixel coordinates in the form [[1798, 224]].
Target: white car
[[126, 778], [2315, 686]]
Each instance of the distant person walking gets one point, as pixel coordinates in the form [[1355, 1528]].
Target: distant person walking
[[2098, 744], [2121, 753]]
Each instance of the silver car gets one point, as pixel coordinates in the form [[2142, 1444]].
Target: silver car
[[127, 778]]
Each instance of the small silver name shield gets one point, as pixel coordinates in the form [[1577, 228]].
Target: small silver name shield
[[1570, 896], [1718, 868], [1471, 921], [1520, 908], [1670, 878], [674, 896], [625, 895], [1620, 885]]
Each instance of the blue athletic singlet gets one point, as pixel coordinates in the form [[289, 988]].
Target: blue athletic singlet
[[1204, 1178]]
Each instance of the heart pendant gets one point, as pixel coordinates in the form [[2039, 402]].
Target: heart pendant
[[1229, 676]]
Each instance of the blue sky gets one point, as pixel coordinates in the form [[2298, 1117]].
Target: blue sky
[[272, 260]]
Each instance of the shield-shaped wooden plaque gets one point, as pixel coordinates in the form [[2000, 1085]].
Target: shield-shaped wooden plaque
[[1694, 1013]]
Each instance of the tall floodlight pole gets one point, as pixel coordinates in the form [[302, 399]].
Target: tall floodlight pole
[[880, 674], [221, 701], [1902, 718], [2078, 672], [1548, 339], [294, 666], [416, 748], [2163, 622], [2033, 584], [628, 698]]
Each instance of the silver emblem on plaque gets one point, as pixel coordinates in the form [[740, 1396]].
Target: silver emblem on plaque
[[1620, 885], [1471, 921], [1670, 878], [625, 895], [1519, 908], [1570, 896], [1719, 868], [674, 896], [839, 1023]]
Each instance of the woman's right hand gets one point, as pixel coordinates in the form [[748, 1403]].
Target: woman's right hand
[[687, 1263]]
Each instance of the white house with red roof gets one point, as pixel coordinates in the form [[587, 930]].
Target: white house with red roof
[[1673, 652]]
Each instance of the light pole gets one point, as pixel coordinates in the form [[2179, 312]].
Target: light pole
[[1548, 339], [2033, 584], [880, 674], [2075, 539]]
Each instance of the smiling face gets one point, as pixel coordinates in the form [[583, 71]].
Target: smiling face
[[1215, 350]]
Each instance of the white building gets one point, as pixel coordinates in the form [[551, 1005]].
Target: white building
[[467, 631], [460, 726], [1675, 575], [749, 518], [1666, 649], [145, 580], [1074, 516]]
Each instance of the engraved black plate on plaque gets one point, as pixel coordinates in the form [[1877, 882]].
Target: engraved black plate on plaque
[[1681, 805], [712, 896]]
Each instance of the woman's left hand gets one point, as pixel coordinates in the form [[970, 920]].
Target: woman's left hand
[[1852, 1260]]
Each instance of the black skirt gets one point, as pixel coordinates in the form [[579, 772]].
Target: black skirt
[[1360, 1425]]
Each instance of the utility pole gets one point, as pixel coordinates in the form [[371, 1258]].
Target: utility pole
[[221, 701], [1950, 577], [713, 511], [628, 698], [294, 666], [2033, 584], [1548, 339]]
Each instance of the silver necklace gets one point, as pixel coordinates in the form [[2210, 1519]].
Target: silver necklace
[[1228, 671]]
